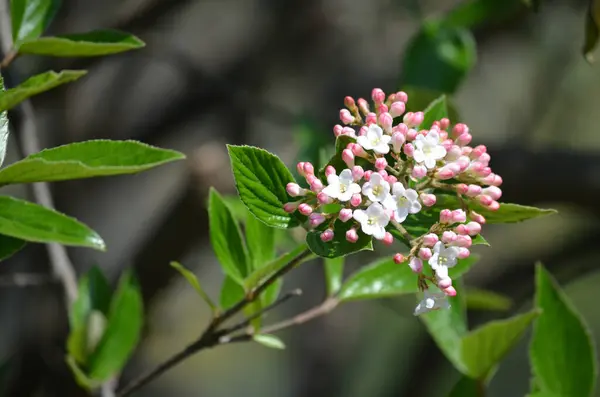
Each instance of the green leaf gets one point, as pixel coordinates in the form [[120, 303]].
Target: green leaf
[[94, 293], [466, 387], [592, 29], [480, 299], [334, 273], [3, 127], [272, 292], [30, 18], [483, 348], [260, 239], [32, 222], [438, 57], [269, 341], [480, 240], [475, 13], [562, 351], [193, 281], [10, 246], [231, 293], [86, 160], [257, 276], [261, 180], [436, 110], [36, 85], [80, 376], [125, 322], [226, 238], [91, 44], [385, 278], [339, 246]]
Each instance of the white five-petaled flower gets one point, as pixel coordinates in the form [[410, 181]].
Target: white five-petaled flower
[[373, 221], [341, 187], [442, 259], [377, 189], [428, 149], [375, 140], [432, 301], [402, 201]]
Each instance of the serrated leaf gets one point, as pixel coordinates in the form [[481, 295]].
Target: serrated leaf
[[125, 320], [226, 238], [261, 179], [466, 387], [36, 85], [438, 57], [193, 281], [334, 273], [484, 348], [562, 351], [260, 239], [436, 110], [592, 29], [90, 44], [231, 293], [32, 222], [10, 246], [30, 18], [269, 341], [385, 278], [86, 160], [339, 246], [479, 299], [255, 278], [3, 128]]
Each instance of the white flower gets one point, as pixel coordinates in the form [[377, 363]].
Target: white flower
[[442, 259], [431, 302], [428, 149], [375, 140], [341, 187], [377, 189], [402, 201], [372, 221]]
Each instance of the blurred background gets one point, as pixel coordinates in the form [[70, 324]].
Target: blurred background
[[273, 73]]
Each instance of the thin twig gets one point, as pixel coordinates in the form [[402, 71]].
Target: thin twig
[[211, 335]]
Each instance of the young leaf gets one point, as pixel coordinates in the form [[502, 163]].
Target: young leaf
[[32, 222], [261, 180], [36, 85], [3, 127], [385, 278], [466, 387], [86, 160], [480, 299], [80, 376], [438, 57], [562, 351], [483, 348], [10, 246], [480, 240], [125, 320], [260, 239], [231, 293], [269, 341], [339, 246], [193, 281], [262, 273], [30, 18], [592, 29], [91, 44], [334, 273], [436, 110], [226, 238]]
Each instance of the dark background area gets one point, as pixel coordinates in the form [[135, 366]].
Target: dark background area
[[247, 71]]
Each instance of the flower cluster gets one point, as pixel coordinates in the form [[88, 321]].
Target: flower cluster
[[393, 170]]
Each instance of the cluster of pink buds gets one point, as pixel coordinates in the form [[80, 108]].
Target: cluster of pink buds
[[392, 170]]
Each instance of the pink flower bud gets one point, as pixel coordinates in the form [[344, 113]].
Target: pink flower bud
[[447, 144], [382, 109], [466, 150], [388, 239], [310, 178], [411, 134], [294, 190], [345, 214], [425, 254], [485, 171], [315, 219], [358, 151], [444, 123], [436, 126], [413, 119], [329, 170], [290, 207], [397, 108], [461, 229], [399, 258], [445, 173], [337, 130], [401, 128], [398, 140], [459, 129], [391, 179], [357, 172], [402, 96], [383, 173], [477, 217], [453, 153], [324, 198], [352, 236], [445, 216], [356, 200], [459, 216], [444, 136], [367, 175], [371, 118], [478, 151], [449, 237], [450, 291], [316, 185], [485, 158], [327, 235], [484, 199], [461, 188], [363, 130], [381, 163], [419, 171], [463, 253], [300, 168], [348, 157], [386, 120], [349, 102], [463, 241], [493, 191], [305, 209], [497, 180], [464, 139], [409, 149], [378, 95], [416, 264], [444, 283], [428, 199], [430, 239], [463, 163], [473, 190], [346, 116], [363, 105], [473, 228], [488, 180], [308, 168], [494, 206], [348, 131]]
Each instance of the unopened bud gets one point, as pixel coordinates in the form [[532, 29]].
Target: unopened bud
[[450, 291], [352, 236], [449, 236], [397, 141], [427, 199], [463, 253], [493, 191], [324, 198], [327, 235], [425, 254], [356, 200], [357, 172], [459, 216], [477, 217], [337, 130], [401, 96], [386, 121], [315, 219], [397, 109], [430, 239], [378, 96], [464, 139], [381, 163], [409, 149], [398, 258], [388, 239], [345, 214], [419, 171], [290, 207], [294, 190], [363, 105], [416, 264], [474, 228], [348, 157], [459, 129], [305, 209], [329, 170], [346, 117], [445, 283]]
